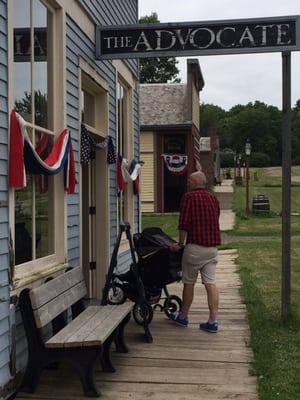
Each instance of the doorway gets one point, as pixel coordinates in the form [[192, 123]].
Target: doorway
[[174, 186], [88, 194]]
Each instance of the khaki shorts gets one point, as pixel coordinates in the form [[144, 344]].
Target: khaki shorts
[[199, 259]]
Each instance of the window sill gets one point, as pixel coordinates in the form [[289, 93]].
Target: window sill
[[35, 279]]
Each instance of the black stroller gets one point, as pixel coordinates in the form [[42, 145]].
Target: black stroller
[[146, 281]]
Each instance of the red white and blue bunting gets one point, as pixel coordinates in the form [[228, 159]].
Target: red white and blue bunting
[[128, 173], [176, 163], [24, 158], [88, 146]]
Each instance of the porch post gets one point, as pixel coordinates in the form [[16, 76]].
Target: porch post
[[286, 185]]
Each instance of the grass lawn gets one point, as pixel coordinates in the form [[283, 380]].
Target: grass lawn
[[167, 222], [276, 345], [265, 225]]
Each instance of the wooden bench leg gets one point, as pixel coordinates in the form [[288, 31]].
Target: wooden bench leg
[[85, 363], [121, 346], [105, 360], [31, 377]]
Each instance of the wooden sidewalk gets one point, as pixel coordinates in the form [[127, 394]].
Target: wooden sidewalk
[[181, 363]]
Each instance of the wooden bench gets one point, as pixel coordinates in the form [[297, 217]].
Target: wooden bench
[[81, 341]]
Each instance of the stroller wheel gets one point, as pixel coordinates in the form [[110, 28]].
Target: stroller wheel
[[142, 313], [116, 294], [172, 304]]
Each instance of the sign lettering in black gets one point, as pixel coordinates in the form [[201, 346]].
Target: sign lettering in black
[[22, 48], [244, 36]]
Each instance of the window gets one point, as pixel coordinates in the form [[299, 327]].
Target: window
[[121, 141], [124, 89], [33, 99]]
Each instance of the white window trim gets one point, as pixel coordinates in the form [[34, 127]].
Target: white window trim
[[126, 78], [103, 229], [31, 271]]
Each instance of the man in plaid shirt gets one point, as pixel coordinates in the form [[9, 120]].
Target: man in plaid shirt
[[199, 231]]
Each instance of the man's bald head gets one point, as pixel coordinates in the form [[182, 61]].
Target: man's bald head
[[196, 180]]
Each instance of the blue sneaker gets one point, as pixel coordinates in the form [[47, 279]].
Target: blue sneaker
[[207, 327], [180, 321]]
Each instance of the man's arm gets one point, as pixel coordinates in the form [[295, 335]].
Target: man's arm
[[182, 237]]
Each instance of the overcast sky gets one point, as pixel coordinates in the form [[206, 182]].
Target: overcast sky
[[233, 79]]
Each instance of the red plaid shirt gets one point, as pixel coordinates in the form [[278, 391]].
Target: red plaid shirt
[[199, 217]]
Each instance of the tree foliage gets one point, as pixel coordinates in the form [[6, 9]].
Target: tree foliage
[[211, 118], [256, 121], [161, 69], [23, 106]]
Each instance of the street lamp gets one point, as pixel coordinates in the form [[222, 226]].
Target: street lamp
[[247, 152], [238, 179]]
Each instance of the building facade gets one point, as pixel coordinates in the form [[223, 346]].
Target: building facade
[[49, 75], [170, 137]]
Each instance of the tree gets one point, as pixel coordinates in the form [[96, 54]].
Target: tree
[[258, 122], [161, 69], [23, 106], [211, 119]]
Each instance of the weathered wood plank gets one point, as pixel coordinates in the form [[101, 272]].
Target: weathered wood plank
[[50, 310], [44, 293], [105, 329], [62, 336], [99, 324]]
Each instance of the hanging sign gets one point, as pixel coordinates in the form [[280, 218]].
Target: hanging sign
[[176, 163], [199, 38], [204, 144]]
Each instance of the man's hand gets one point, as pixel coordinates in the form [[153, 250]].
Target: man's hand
[[175, 247]]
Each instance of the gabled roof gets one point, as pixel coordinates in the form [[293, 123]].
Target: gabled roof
[[163, 104]]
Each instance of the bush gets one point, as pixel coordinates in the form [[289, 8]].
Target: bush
[[227, 160], [296, 160], [260, 160]]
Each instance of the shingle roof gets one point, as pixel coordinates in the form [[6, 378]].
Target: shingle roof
[[163, 104]]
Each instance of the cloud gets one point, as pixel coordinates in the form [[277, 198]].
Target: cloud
[[233, 79]]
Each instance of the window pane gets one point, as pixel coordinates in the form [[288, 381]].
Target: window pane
[[41, 28], [23, 223], [22, 52], [120, 100], [44, 221], [44, 216], [88, 102]]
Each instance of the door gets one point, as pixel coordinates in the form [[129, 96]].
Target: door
[[88, 194]]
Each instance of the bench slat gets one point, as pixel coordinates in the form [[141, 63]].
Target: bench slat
[[77, 332], [50, 310], [48, 291], [108, 325], [78, 338], [73, 326]]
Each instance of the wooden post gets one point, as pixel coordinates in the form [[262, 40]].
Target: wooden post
[[286, 186]]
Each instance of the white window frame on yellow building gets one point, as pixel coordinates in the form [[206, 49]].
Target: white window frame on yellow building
[[125, 77], [31, 272]]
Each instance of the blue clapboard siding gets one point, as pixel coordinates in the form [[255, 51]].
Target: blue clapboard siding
[[4, 259], [79, 45], [114, 12]]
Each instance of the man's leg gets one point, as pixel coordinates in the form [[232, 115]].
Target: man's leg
[[187, 299], [213, 301]]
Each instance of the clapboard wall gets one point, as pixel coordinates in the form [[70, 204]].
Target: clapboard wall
[[4, 257], [79, 45]]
